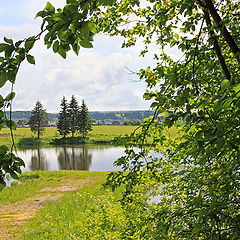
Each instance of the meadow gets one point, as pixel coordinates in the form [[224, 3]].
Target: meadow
[[104, 133], [43, 205]]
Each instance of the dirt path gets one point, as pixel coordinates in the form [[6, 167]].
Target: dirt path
[[14, 216]]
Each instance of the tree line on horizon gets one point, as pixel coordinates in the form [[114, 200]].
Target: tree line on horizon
[[72, 118]]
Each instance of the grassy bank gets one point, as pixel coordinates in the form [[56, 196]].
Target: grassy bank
[[99, 134], [49, 197]]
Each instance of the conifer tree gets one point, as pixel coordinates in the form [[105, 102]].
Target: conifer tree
[[63, 125], [85, 122], [73, 113], [38, 119]]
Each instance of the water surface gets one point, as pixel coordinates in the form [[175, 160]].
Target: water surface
[[75, 157]]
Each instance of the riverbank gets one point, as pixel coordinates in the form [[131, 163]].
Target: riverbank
[[99, 135], [43, 205]]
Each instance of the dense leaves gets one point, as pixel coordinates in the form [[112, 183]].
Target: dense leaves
[[197, 173]]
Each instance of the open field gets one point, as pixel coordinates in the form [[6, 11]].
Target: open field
[[99, 133]]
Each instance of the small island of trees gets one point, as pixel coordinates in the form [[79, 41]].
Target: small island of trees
[[72, 119]]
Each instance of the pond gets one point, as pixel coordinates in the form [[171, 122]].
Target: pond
[[71, 157]]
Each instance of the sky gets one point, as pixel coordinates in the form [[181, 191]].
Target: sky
[[98, 75]]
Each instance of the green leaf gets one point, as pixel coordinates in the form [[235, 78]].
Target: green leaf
[[62, 35], [56, 46], [3, 47], [31, 59], [50, 8], [10, 96], [92, 27], [13, 174], [3, 79], [41, 14], [66, 11], [86, 44], [11, 76], [29, 43], [8, 51], [1, 101], [18, 43], [85, 30], [3, 149], [62, 52], [20, 161], [225, 84], [57, 16], [76, 48], [7, 40]]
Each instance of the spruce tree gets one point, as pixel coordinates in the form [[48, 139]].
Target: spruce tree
[[73, 113], [85, 122], [38, 119], [63, 125]]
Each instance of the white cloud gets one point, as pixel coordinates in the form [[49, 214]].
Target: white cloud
[[97, 75], [30, 8]]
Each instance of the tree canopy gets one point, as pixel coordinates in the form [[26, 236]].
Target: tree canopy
[[197, 173]]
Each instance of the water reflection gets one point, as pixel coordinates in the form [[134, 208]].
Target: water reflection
[[38, 160], [80, 157], [74, 159]]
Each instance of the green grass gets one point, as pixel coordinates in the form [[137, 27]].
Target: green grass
[[99, 134], [89, 213], [31, 183], [73, 214]]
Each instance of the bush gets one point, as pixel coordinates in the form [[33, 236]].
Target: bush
[[30, 141], [69, 140]]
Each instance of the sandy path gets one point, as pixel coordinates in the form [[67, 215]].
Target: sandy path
[[14, 216]]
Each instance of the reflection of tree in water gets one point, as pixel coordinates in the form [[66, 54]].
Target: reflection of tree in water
[[74, 159], [38, 161]]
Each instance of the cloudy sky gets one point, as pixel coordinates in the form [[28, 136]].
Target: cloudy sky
[[98, 75]]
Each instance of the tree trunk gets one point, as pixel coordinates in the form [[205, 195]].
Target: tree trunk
[[38, 132]]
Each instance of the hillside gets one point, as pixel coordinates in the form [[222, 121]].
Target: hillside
[[104, 117]]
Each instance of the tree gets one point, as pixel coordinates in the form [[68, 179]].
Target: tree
[[63, 119], [73, 113], [38, 119], [84, 121], [198, 172]]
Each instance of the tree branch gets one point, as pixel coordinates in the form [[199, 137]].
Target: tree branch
[[217, 48], [227, 36]]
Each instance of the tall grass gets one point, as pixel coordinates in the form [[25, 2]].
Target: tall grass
[[88, 214]]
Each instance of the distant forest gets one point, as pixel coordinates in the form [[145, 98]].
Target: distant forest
[[106, 117]]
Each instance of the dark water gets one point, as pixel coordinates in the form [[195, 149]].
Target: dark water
[[81, 157]]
